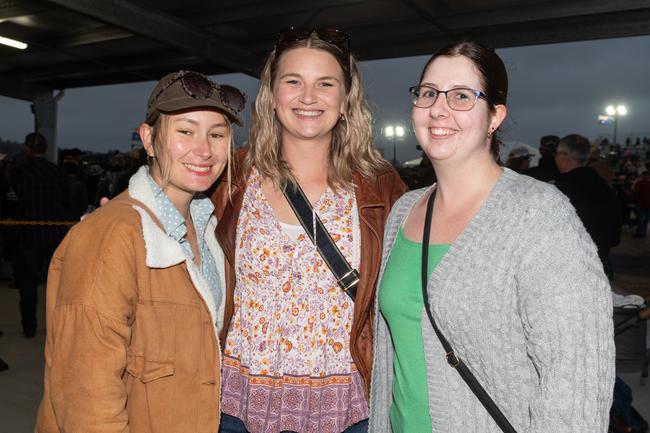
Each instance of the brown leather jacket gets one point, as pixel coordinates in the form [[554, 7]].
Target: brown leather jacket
[[131, 339], [374, 200]]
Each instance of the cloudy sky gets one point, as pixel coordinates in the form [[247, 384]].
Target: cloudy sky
[[554, 89]]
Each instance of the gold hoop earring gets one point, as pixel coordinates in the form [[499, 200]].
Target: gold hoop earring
[[489, 134], [150, 159]]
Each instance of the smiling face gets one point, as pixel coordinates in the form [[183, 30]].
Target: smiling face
[[445, 134], [308, 95], [190, 152]]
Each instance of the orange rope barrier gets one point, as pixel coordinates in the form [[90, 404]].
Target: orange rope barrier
[[37, 223]]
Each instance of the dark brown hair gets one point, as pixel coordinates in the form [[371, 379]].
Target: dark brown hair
[[494, 77], [36, 142]]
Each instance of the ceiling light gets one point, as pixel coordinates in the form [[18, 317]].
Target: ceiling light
[[13, 43]]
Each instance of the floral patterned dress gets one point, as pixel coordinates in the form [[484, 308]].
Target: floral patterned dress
[[287, 362]]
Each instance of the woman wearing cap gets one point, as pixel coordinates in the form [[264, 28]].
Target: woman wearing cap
[[512, 279], [298, 349], [135, 290]]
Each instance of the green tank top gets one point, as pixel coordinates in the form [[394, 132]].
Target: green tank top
[[401, 304]]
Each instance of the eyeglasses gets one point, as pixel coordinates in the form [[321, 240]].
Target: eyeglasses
[[198, 86], [333, 36], [458, 99]]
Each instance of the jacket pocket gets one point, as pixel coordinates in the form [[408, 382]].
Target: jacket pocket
[[146, 371], [151, 353]]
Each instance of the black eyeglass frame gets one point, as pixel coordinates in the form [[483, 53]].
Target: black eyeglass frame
[[331, 35], [414, 92]]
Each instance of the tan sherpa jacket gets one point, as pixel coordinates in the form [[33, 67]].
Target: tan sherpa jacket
[[131, 327]]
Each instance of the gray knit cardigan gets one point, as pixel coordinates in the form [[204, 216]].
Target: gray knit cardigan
[[522, 297]]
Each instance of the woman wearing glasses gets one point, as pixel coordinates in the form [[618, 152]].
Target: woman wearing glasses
[[135, 290], [513, 281], [297, 352]]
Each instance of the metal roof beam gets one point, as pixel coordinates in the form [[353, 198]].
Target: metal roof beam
[[86, 37], [115, 65], [13, 88], [419, 38], [530, 13], [632, 23], [166, 29], [222, 15], [18, 8], [428, 13]]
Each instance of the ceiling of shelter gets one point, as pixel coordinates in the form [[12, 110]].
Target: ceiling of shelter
[[75, 43]]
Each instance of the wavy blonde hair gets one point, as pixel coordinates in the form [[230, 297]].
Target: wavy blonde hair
[[351, 149]]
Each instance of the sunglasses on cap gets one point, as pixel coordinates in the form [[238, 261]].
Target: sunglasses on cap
[[333, 36], [199, 86]]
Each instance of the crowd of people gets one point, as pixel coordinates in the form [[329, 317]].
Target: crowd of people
[[296, 286], [608, 186], [40, 200]]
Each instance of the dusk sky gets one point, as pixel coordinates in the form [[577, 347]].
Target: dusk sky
[[554, 89]]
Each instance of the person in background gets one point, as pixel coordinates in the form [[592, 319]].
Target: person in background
[[519, 159], [512, 278], [117, 169], [75, 202], [597, 163], [92, 174], [593, 199], [39, 187], [641, 196], [3, 365], [135, 159], [545, 170], [7, 234], [298, 348], [135, 290]]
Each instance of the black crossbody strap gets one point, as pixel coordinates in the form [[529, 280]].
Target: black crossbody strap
[[346, 276], [453, 360]]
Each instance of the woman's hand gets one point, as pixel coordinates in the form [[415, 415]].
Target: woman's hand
[[102, 202]]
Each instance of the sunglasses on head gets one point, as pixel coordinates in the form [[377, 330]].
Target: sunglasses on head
[[232, 97], [199, 86], [333, 36]]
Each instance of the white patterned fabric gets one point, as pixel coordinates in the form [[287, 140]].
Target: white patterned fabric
[[287, 362]]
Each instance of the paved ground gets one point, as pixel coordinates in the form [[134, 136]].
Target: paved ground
[[21, 385], [632, 265], [632, 275]]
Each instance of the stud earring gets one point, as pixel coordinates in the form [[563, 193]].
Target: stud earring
[[150, 159]]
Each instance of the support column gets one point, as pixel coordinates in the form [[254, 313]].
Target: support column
[[45, 108]]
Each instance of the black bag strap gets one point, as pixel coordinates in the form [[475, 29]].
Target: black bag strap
[[346, 276], [452, 359]]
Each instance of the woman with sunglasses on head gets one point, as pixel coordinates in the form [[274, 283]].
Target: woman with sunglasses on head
[[135, 291], [512, 281], [298, 348]]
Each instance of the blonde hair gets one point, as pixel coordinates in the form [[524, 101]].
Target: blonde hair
[[352, 141], [159, 132]]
